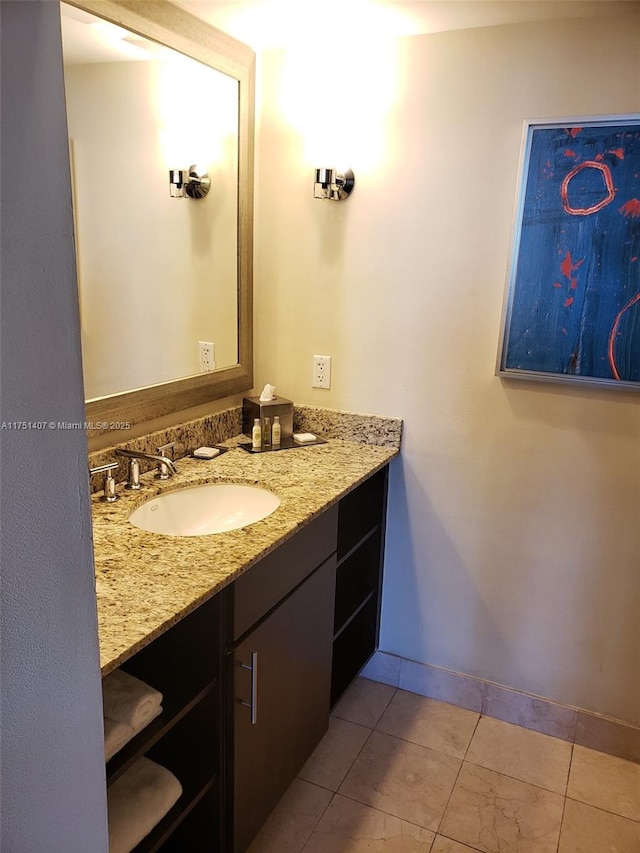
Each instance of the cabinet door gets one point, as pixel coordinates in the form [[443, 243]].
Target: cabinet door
[[282, 674]]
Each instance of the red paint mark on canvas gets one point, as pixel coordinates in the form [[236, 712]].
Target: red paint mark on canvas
[[614, 335], [574, 283], [618, 152], [574, 131], [568, 301], [634, 259], [567, 266], [599, 157], [594, 208], [569, 153], [631, 208], [557, 284]]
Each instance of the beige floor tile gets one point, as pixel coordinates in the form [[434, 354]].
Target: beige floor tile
[[334, 755], [364, 702], [447, 845], [496, 813], [606, 782], [293, 819], [521, 753], [350, 827], [404, 779], [429, 723], [589, 830]]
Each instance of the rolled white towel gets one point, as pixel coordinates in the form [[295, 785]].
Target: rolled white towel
[[128, 700], [117, 734], [137, 801]]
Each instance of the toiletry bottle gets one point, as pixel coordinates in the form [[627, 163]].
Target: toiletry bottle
[[256, 435], [275, 431], [266, 433]]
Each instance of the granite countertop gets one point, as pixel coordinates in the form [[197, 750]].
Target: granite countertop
[[146, 582]]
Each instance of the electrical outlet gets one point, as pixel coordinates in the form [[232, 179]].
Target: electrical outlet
[[207, 354], [321, 371]]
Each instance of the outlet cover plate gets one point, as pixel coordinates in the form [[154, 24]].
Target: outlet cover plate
[[321, 372]]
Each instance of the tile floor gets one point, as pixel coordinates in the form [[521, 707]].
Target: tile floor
[[399, 773]]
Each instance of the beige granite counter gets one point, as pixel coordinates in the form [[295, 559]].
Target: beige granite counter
[[146, 582]]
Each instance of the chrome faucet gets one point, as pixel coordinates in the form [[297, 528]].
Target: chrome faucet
[[164, 472], [166, 468], [109, 481]]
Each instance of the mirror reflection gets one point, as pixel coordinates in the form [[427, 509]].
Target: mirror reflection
[[157, 275]]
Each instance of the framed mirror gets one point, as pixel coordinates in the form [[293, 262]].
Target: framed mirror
[[165, 282]]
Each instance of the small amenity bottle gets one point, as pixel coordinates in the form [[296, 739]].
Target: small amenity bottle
[[256, 435], [275, 431], [266, 433]]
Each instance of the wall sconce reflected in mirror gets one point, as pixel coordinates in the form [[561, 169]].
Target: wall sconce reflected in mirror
[[188, 183], [332, 184]]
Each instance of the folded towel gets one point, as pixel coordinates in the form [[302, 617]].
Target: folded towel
[[117, 734], [128, 700], [137, 801]]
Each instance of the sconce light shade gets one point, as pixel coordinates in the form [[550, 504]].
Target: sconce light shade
[[188, 183], [332, 184]]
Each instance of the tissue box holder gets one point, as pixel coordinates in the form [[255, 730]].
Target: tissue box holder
[[252, 408]]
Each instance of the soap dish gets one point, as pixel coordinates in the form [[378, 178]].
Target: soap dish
[[209, 459]]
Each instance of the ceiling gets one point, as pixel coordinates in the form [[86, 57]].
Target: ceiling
[[281, 23], [264, 24]]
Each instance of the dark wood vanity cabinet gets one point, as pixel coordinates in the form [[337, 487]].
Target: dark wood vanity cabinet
[[279, 672], [249, 678], [316, 602]]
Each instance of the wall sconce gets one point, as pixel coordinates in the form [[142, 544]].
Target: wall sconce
[[187, 183], [332, 184]]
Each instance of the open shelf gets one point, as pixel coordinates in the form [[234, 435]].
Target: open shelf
[[356, 578], [163, 831], [353, 647], [151, 734], [189, 747]]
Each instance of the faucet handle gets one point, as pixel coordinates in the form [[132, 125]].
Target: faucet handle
[[163, 467], [133, 481], [109, 481]]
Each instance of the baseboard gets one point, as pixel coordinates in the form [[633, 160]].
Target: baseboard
[[575, 725]]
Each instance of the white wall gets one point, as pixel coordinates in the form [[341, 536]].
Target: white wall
[[513, 537], [156, 274], [53, 774]]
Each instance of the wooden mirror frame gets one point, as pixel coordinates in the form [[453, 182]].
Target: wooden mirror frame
[[172, 26]]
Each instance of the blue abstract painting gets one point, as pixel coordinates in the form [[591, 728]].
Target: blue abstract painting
[[573, 300]]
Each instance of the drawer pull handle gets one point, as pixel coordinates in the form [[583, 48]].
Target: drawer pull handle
[[253, 704]]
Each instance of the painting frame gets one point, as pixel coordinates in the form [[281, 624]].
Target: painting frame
[[571, 311]]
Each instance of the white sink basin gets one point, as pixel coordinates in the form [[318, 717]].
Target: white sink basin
[[201, 510]]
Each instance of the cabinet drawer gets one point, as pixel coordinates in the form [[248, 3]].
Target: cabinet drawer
[[360, 511], [264, 585]]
